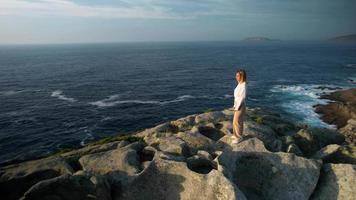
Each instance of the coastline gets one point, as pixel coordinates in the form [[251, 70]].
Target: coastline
[[341, 111], [197, 148]]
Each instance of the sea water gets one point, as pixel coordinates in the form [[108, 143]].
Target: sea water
[[61, 96]]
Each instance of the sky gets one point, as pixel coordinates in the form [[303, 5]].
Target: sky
[[93, 21]]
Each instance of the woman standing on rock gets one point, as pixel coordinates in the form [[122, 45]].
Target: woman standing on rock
[[239, 106]]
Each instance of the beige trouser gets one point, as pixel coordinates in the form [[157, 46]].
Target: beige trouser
[[237, 123]]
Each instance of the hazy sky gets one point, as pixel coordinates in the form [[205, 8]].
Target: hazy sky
[[68, 21]]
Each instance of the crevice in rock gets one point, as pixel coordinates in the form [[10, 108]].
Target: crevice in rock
[[201, 166], [218, 125], [145, 156], [210, 132], [320, 180], [74, 163]]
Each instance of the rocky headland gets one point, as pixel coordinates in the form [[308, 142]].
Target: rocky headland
[[344, 38], [193, 158], [258, 39], [341, 111]]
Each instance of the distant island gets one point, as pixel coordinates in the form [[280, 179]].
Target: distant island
[[258, 39], [344, 38]]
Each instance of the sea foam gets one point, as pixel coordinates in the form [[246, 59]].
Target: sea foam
[[59, 94], [300, 99], [114, 100]]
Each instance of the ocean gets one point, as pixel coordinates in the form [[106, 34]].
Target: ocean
[[63, 96]]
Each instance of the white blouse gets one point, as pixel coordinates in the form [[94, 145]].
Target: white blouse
[[240, 95]]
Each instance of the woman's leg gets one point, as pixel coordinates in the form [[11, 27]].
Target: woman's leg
[[241, 120], [238, 121], [236, 124]]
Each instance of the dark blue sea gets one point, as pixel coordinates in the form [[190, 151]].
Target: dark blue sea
[[60, 96]]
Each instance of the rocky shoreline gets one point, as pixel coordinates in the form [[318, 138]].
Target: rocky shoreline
[[341, 112], [193, 158]]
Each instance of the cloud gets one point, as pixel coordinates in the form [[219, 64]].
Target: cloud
[[144, 9], [70, 8]]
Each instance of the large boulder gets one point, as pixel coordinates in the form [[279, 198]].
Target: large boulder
[[17, 178], [307, 142], [196, 141], [310, 140], [337, 154], [173, 145], [337, 181], [151, 135], [185, 123], [263, 133], [68, 187], [210, 117], [166, 179], [349, 131], [261, 174], [327, 136], [120, 163]]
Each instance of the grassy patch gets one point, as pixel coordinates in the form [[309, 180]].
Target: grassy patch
[[209, 110], [65, 150], [258, 119], [129, 138]]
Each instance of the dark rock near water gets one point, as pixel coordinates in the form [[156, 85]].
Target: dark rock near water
[[68, 187]]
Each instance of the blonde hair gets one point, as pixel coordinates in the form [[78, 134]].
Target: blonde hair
[[242, 75]]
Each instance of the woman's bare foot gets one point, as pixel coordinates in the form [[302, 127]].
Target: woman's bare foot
[[235, 139]]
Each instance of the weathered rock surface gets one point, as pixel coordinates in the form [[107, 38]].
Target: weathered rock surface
[[173, 145], [17, 178], [349, 131], [196, 141], [119, 163], [165, 179], [190, 158], [68, 187], [264, 133], [261, 174], [337, 181], [312, 139], [337, 154]]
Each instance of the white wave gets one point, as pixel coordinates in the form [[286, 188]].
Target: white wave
[[351, 65], [106, 119], [226, 96], [59, 94], [9, 92], [87, 137], [113, 100], [300, 99], [310, 90]]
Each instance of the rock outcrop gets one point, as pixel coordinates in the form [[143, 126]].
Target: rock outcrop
[[337, 181], [167, 179], [193, 158], [341, 112], [261, 174], [78, 186]]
